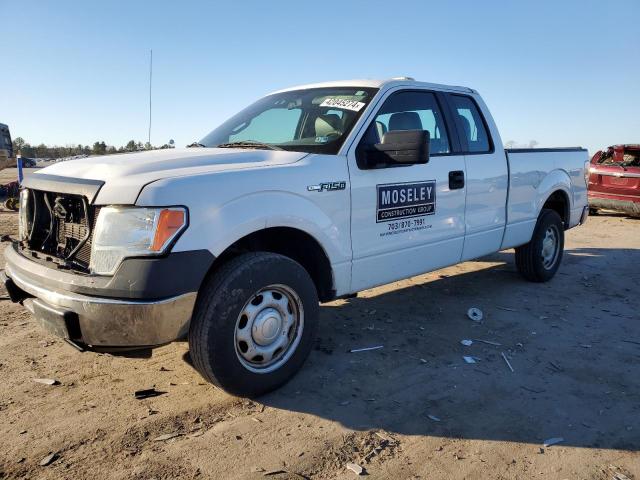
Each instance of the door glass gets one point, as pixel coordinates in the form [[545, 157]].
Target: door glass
[[470, 123], [410, 111]]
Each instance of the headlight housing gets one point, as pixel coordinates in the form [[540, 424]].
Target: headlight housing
[[122, 232]]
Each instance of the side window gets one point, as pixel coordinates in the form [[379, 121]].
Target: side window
[[470, 124], [410, 110]]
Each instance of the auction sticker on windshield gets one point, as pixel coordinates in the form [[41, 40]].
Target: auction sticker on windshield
[[404, 200], [343, 104]]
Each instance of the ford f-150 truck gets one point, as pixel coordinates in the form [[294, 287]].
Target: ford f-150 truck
[[310, 194]]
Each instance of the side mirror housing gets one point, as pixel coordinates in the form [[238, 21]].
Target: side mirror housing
[[399, 147]]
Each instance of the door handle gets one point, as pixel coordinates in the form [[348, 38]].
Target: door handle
[[456, 180]]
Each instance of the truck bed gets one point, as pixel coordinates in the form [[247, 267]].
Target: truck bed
[[535, 173]]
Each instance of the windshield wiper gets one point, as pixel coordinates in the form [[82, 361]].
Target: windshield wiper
[[196, 145], [248, 144]]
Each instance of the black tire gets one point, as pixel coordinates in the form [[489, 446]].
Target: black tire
[[12, 203], [593, 211], [529, 257], [223, 297]]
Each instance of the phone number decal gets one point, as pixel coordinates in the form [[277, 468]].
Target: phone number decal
[[404, 226]]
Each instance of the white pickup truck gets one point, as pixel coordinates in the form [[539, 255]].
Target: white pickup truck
[[310, 194]]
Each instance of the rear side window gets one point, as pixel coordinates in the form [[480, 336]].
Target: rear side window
[[470, 124]]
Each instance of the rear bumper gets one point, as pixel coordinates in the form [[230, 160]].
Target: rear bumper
[[619, 204], [93, 319]]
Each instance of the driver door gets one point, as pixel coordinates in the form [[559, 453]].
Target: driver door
[[406, 219]]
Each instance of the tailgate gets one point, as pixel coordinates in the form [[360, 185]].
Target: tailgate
[[615, 180]]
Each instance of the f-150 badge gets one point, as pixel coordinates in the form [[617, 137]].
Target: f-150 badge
[[326, 186], [403, 200]]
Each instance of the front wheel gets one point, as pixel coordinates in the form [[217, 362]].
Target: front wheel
[[254, 323], [538, 260]]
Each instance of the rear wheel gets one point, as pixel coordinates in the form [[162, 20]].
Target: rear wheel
[[254, 323], [538, 260], [593, 211]]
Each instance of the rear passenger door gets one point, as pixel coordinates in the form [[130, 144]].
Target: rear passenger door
[[405, 219], [487, 176]]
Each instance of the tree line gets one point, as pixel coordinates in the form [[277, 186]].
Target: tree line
[[24, 148]]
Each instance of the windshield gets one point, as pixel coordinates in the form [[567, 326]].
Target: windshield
[[315, 120]]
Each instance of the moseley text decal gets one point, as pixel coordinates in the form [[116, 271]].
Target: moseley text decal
[[403, 200]]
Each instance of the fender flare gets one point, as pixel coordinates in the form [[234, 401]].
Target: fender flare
[[555, 181]]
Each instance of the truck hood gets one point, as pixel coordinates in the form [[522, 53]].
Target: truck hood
[[125, 174]]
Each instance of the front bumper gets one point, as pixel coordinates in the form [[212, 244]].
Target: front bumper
[[94, 319]]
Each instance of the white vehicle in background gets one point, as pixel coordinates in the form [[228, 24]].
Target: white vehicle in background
[[310, 194]]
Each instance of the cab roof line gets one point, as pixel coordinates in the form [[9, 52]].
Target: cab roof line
[[369, 83]]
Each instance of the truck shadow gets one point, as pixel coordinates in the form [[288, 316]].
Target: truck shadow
[[574, 345]]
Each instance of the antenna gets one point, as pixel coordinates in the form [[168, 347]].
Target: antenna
[[150, 78]]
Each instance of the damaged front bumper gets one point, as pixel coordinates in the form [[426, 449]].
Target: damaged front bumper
[[79, 308]]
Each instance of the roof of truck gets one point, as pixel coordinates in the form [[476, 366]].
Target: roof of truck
[[391, 82]]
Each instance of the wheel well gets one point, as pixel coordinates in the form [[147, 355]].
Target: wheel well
[[292, 243], [559, 202]]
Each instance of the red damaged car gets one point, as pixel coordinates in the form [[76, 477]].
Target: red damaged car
[[614, 180]]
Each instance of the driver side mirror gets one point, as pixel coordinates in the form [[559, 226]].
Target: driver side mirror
[[398, 147]]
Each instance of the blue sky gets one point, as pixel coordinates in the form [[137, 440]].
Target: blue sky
[[562, 73]]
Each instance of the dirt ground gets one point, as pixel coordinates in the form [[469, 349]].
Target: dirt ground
[[413, 409]]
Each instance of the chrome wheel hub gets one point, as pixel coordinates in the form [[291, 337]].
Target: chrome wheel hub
[[269, 328], [550, 247]]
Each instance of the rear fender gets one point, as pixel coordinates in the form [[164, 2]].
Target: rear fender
[[554, 181], [520, 232]]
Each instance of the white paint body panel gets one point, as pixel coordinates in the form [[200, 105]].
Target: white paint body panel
[[226, 206], [231, 193], [381, 254], [487, 177], [126, 174], [534, 177]]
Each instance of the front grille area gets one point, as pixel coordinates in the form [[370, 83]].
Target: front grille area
[[59, 228], [84, 253]]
